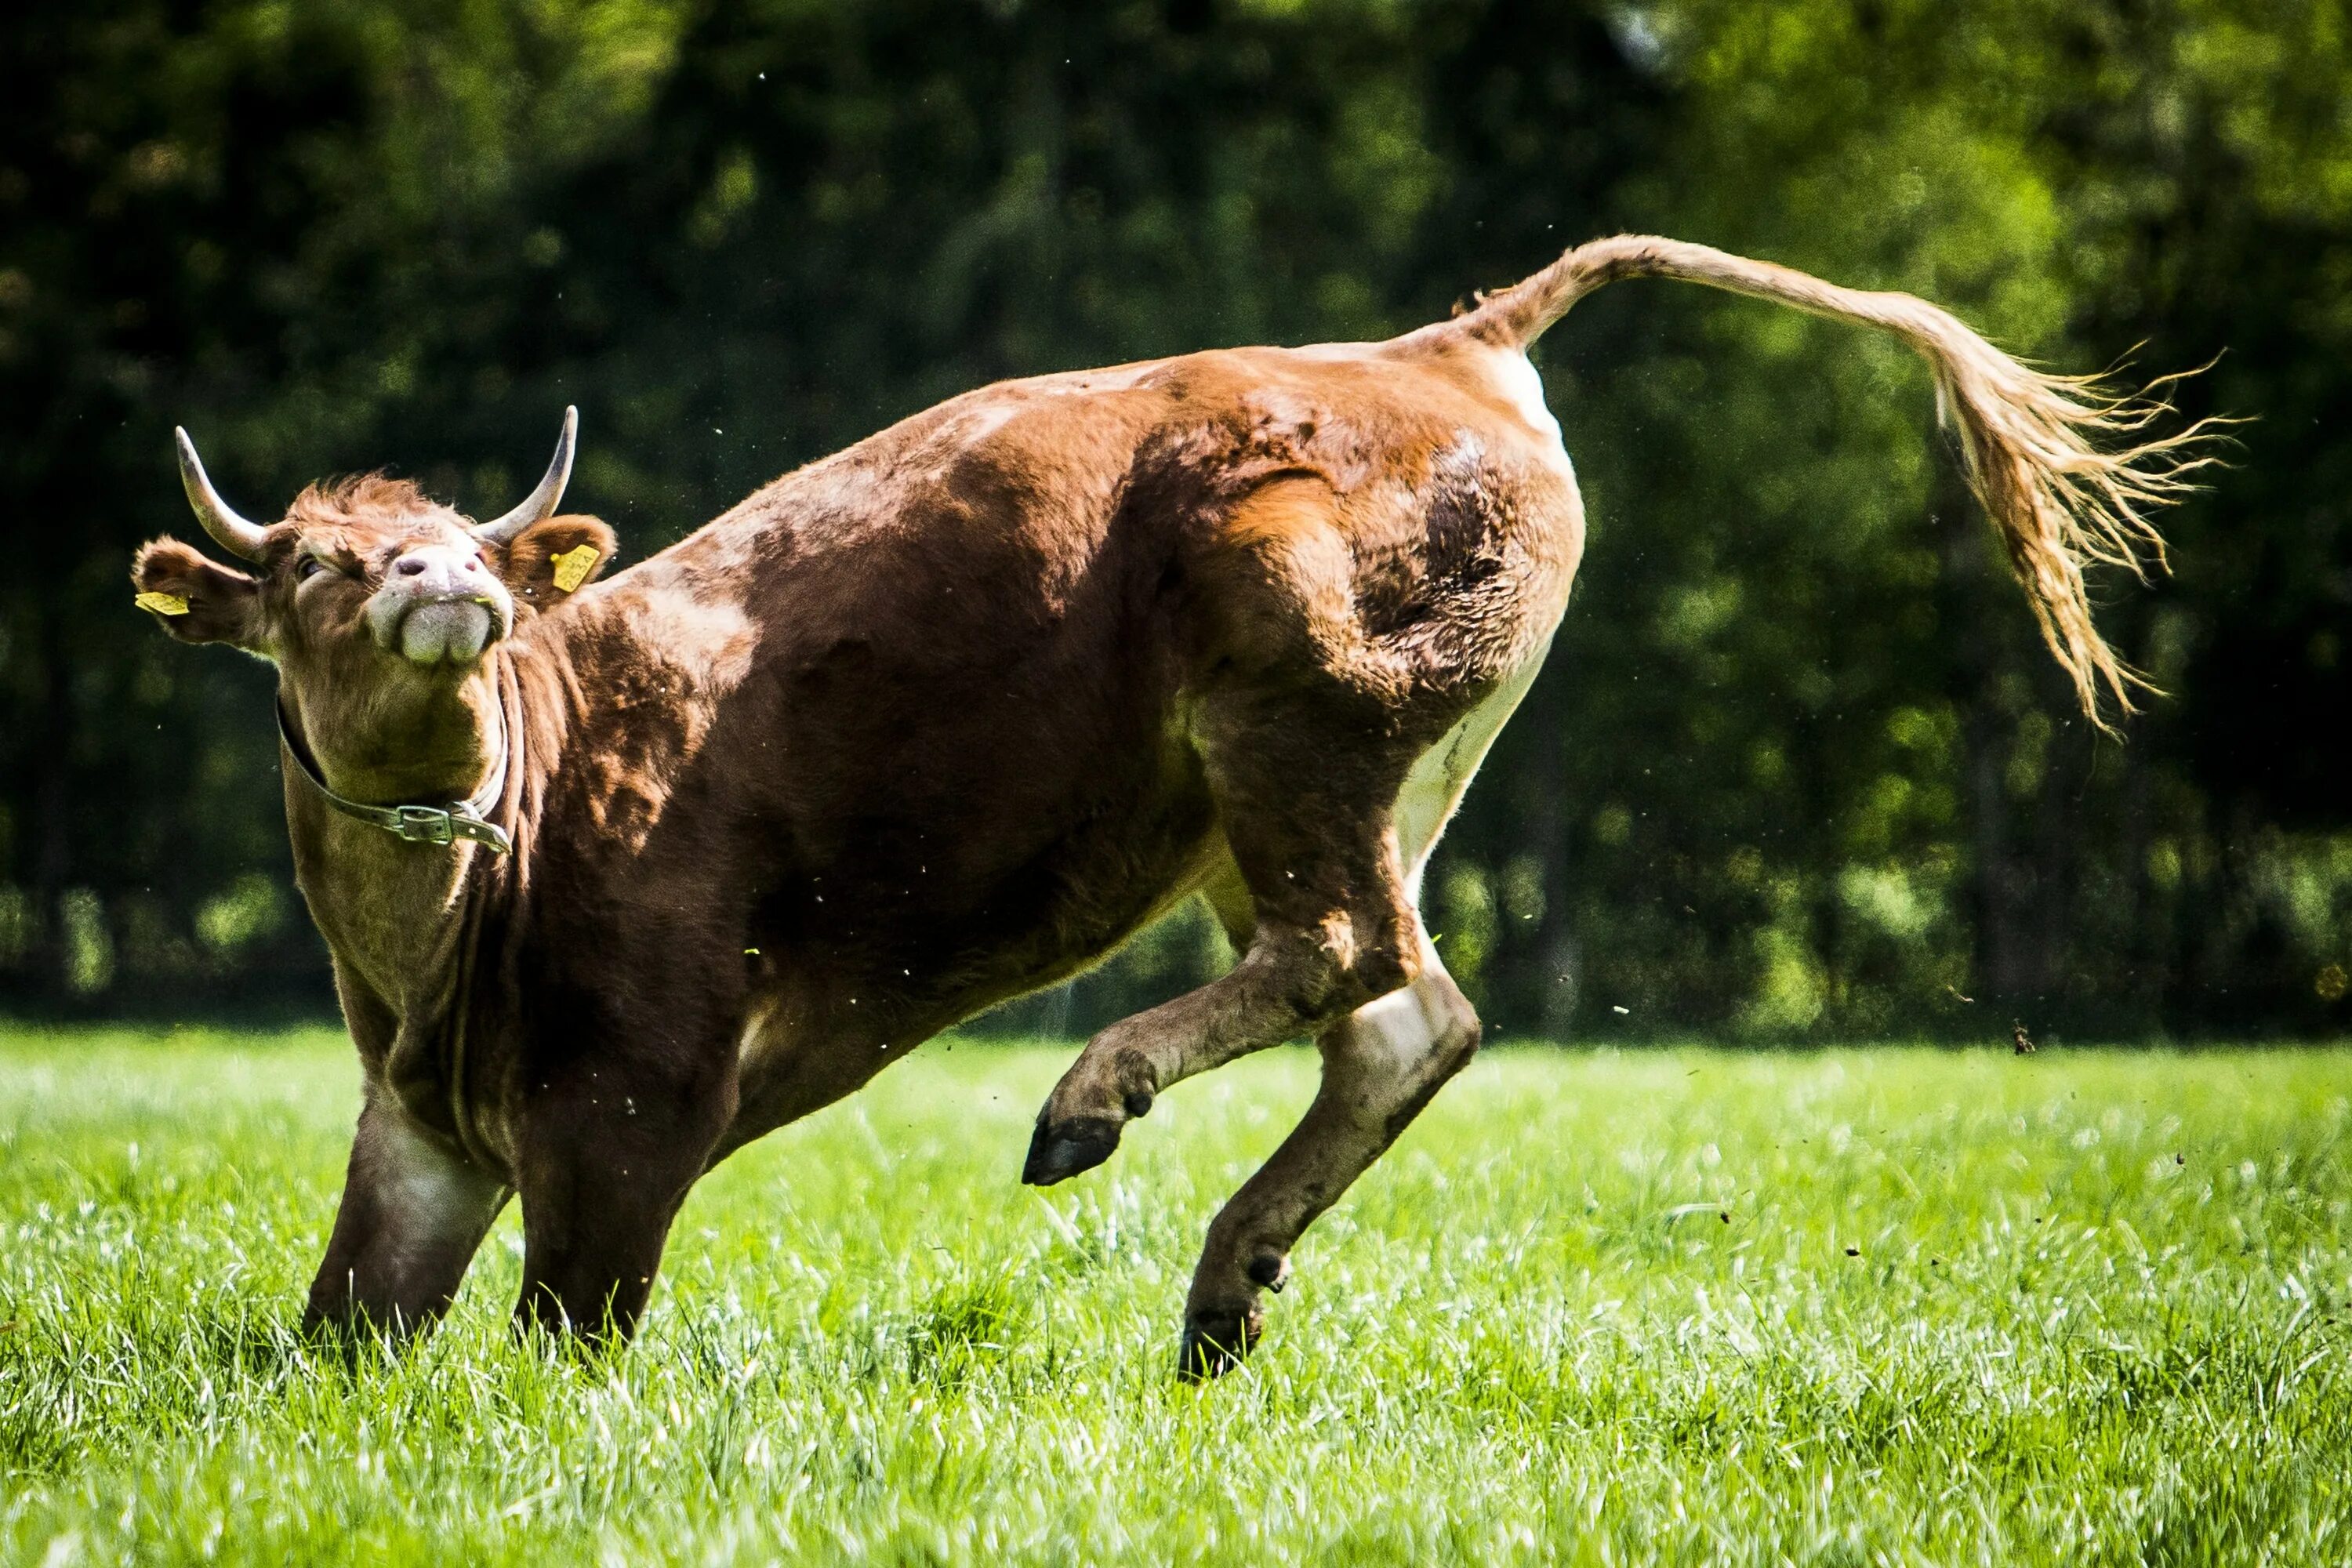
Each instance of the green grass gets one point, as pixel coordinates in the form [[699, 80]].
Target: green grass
[[1896, 1306]]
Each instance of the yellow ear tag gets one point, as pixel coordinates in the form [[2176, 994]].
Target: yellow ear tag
[[162, 604], [572, 567]]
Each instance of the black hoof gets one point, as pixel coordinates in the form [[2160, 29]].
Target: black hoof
[[1270, 1271], [1216, 1344], [1061, 1150]]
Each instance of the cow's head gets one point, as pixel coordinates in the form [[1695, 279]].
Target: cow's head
[[377, 603]]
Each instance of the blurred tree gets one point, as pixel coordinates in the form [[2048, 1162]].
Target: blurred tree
[[1797, 767], [1843, 791]]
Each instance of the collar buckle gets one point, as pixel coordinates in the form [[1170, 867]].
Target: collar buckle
[[422, 824], [440, 825]]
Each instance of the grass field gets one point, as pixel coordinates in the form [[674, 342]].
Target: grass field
[[1693, 1306]]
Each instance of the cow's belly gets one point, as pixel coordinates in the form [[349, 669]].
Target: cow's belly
[[928, 910], [1118, 864], [823, 1027]]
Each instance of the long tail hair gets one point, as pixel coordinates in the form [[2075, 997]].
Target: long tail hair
[[2064, 466]]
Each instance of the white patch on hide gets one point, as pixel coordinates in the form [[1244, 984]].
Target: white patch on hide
[[1405, 1026], [756, 1045], [1437, 783], [423, 1195], [1515, 381], [1523, 389], [1393, 1039]]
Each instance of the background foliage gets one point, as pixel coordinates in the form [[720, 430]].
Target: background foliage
[[1797, 768]]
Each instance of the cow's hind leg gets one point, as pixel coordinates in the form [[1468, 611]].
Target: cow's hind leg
[[1380, 1065], [1332, 929], [412, 1214]]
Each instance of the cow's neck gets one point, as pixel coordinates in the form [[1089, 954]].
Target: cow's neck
[[411, 742], [397, 915]]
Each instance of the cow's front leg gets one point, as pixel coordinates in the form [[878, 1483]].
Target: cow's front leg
[[412, 1214], [606, 1158]]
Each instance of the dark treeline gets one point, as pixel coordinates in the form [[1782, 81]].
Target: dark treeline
[[1797, 767]]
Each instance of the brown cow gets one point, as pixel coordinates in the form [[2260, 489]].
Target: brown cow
[[618, 877]]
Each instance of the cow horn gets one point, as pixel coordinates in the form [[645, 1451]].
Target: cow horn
[[541, 502], [230, 531]]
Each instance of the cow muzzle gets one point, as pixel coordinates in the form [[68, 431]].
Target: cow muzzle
[[439, 604]]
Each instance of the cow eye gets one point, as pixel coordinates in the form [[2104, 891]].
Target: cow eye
[[309, 566]]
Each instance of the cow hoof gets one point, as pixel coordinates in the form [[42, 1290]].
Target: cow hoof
[[1217, 1343], [1061, 1150], [1270, 1271]]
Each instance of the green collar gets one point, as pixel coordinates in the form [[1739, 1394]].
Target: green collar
[[466, 819]]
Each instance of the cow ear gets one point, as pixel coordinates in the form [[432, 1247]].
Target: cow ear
[[548, 562], [195, 599]]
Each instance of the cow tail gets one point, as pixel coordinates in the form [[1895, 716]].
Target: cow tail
[[2058, 462]]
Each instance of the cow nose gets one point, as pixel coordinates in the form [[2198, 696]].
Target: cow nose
[[439, 570]]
